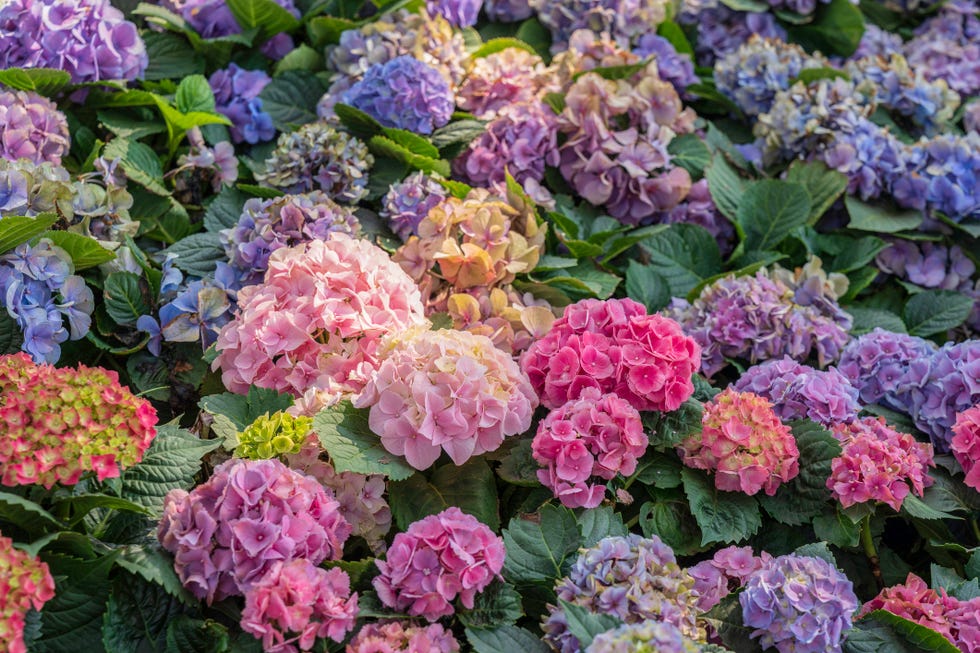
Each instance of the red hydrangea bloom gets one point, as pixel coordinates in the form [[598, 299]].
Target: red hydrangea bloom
[[966, 444], [743, 443], [613, 346], [25, 583], [395, 637], [878, 464], [437, 559], [596, 435], [60, 422]]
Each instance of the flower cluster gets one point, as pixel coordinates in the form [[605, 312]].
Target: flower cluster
[[459, 13], [228, 533], [203, 168], [633, 578], [296, 602], [644, 637], [927, 264], [61, 422], [721, 31], [945, 47], [319, 157], [499, 80], [613, 346], [29, 189], [878, 464], [875, 363], [801, 392], [617, 133], [756, 72], [273, 435], [595, 435], [213, 19], [398, 637], [31, 127], [798, 604], [743, 443], [966, 444], [513, 321], [407, 203], [317, 321], [449, 391], [89, 39], [507, 11], [713, 578], [624, 20], [436, 560], [404, 93], [941, 176], [266, 225], [236, 95], [39, 292], [25, 583]]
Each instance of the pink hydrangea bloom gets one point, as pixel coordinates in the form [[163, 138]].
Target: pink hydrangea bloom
[[295, 603], [227, 533], [31, 127], [714, 578], [595, 435], [58, 423], [878, 464], [449, 391], [396, 637], [437, 559], [966, 444], [25, 583], [317, 321], [743, 443], [614, 346], [502, 79]]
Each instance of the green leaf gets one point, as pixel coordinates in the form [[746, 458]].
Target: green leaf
[[673, 33], [498, 605], [518, 467], [856, 254], [385, 146], [726, 187], [614, 73], [497, 45], [198, 254], [723, 516], [242, 410], [194, 94], [539, 547], [810, 75], [291, 98], [746, 5], [470, 487], [85, 252], [684, 255], [326, 30], [345, 435], [556, 101], [458, 132], [689, 152], [153, 565], [301, 58], [836, 28], [504, 639], [805, 496], [412, 142], [43, 81], [920, 636], [169, 57], [263, 192], [132, 123], [669, 518], [79, 505], [598, 523], [226, 209], [770, 211], [187, 635], [265, 15], [17, 229], [936, 311], [913, 506], [26, 514], [72, 620], [123, 298], [537, 36], [137, 616], [139, 162], [585, 624], [880, 219], [171, 462], [356, 121], [726, 619], [867, 319], [822, 184], [10, 336], [838, 529]]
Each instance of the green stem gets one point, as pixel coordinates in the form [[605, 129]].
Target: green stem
[[976, 529], [869, 549]]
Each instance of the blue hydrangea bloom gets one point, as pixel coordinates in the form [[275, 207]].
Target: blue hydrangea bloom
[[404, 93]]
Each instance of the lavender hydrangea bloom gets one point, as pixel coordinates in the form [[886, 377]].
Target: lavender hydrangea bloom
[[459, 13], [699, 208], [359, 49], [928, 264], [876, 42], [623, 20], [89, 39], [236, 95], [213, 19], [634, 578], [947, 47], [752, 75], [39, 292], [644, 637], [799, 604], [404, 93], [721, 31], [871, 157], [409, 201], [944, 176], [270, 224], [507, 11], [31, 127], [876, 363], [676, 68], [799, 391]]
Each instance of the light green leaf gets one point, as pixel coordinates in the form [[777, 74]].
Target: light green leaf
[[85, 252], [123, 298], [345, 435], [43, 81], [869, 217], [16, 229], [139, 162], [265, 15]]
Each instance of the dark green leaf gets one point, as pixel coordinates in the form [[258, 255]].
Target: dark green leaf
[[137, 616], [538, 547], [169, 57], [326, 30], [291, 98], [72, 620], [770, 211], [301, 58], [345, 435], [187, 635], [242, 410], [152, 564], [867, 319], [123, 298], [599, 523], [139, 162], [810, 75], [804, 497], [412, 142], [935, 311], [836, 28], [822, 184], [726, 187], [689, 152], [470, 487], [584, 624], [838, 529], [684, 255], [11, 338], [498, 605], [869, 217], [673, 33], [384, 146], [356, 121], [226, 209], [920, 636], [669, 518], [26, 514], [723, 516], [198, 254], [265, 15], [458, 132], [726, 619], [504, 638], [537, 36]]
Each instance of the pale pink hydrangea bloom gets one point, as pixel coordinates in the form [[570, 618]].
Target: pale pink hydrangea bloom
[[295, 603], [713, 577], [596, 435], [878, 464], [449, 391], [966, 444], [438, 559], [317, 321], [743, 444], [502, 79], [396, 637]]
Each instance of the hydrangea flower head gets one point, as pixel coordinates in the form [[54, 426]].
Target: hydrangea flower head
[[236, 95], [449, 391], [31, 127], [507, 11], [295, 603], [876, 362], [928, 264], [509, 77], [801, 392], [942, 176], [945, 47], [459, 13], [398, 637], [437, 559], [230, 532], [674, 67], [643, 637], [633, 578], [714, 577], [593, 436], [25, 583], [204, 167], [798, 604], [753, 74], [743, 444], [624, 20], [966, 444], [273, 435], [407, 202], [721, 31], [61, 422], [512, 320], [613, 346], [404, 93]]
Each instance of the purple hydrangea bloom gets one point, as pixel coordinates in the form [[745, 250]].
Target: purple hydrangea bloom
[[89, 39], [676, 68], [31, 127], [270, 224], [657, 636], [752, 75], [928, 264], [699, 208], [947, 47], [623, 20], [459, 13], [359, 49], [213, 19], [404, 93], [799, 604], [507, 11], [876, 42], [409, 201], [944, 176], [971, 117], [721, 31], [236, 95], [871, 157], [39, 292], [799, 391], [876, 362], [634, 578]]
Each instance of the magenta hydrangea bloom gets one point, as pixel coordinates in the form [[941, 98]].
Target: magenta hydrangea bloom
[[798, 604], [446, 390], [613, 346], [876, 363], [404, 93], [89, 39], [295, 603], [966, 444], [407, 203], [593, 436], [25, 584], [715, 577], [436, 560], [31, 127], [229, 532], [878, 464], [398, 637], [801, 392]]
